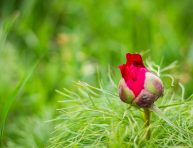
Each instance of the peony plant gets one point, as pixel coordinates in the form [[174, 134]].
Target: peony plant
[[139, 86]]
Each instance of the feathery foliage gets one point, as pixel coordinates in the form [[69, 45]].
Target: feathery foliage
[[95, 117]]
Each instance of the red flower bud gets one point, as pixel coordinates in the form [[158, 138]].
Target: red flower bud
[[138, 85]]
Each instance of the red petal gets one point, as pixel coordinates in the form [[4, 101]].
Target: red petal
[[133, 73], [134, 59], [122, 67]]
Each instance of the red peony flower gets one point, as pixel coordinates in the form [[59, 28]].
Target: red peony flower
[[138, 85]]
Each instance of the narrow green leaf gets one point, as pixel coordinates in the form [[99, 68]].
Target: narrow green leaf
[[6, 107]]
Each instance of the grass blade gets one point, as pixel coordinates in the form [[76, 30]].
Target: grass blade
[[5, 109]]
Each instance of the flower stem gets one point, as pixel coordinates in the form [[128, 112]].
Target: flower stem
[[147, 115]]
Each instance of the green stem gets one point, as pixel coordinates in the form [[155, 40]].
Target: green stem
[[147, 115]]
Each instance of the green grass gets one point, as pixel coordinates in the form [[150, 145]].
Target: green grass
[[86, 40]]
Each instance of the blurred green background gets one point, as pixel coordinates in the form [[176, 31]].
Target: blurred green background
[[47, 45]]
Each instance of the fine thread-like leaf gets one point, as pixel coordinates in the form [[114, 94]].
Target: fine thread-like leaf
[[156, 110]]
